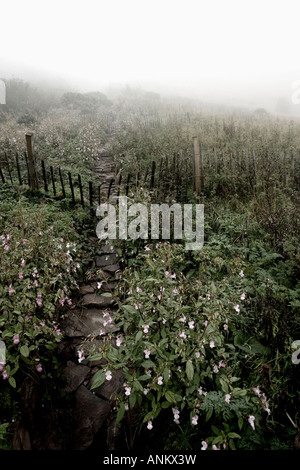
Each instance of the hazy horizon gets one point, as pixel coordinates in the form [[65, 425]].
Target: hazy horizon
[[234, 53]]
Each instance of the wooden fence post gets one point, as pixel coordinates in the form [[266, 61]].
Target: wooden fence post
[[152, 175], [53, 180], [31, 167]]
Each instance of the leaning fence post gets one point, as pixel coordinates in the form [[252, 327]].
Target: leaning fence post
[[91, 193], [31, 167]]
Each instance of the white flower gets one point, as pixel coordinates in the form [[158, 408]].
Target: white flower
[[182, 334], [127, 391], [227, 398], [241, 273], [243, 296], [216, 370], [99, 285], [214, 447], [147, 353], [138, 289], [182, 319], [149, 425], [225, 326], [145, 328], [212, 344], [119, 341], [197, 354], [204, 445], [191, 325], [160, 380], [80, 356], [236, 308], [251, 420], [195, 420], [108, 375]]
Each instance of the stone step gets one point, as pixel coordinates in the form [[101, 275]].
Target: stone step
[[106, 259], [89, 415], [96, 300], [89, 322], [75, 375]]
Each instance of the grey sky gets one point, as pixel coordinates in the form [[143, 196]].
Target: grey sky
[[235, 47]]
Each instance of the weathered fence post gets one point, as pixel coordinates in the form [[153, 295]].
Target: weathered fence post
[[53, 180], [31, 167], [152, 175]]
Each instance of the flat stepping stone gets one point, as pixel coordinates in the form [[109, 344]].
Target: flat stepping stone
[[88, 289], [96, 300], [110, 388], [112, 268], [89, 414], [79, 323], [75, 375], [108, 249], [106, 259]]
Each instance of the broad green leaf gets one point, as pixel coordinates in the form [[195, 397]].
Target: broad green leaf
[[170, 396], [234, 435], [12, 382], [138, 336], [129, 309], [189, 368], [132, 400], [215, 430], [24, 351], [98, 379]]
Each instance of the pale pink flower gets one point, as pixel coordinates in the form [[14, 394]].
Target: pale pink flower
[[145, 328], [149, 425], [236, 308], [191, 325], [195, 420], [251, 420], [243, 296], [21, 276], [127, 391], [11, 291], [4, 375], [160, 380], [241, 273], [211, 344], [182, 334], [39, 367], [16, 339], [227, 398], [147, 353], [204, 445], [225, 326]]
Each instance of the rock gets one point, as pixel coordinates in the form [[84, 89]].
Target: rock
[[89, 414], [110, 388], [114, 438], [112, 268], [96, 300], [106, 259], [86, 289], [86, 322], [75, 375], [108, 249], [106, 286]]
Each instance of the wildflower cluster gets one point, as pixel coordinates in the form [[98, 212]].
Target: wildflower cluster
[[38, 274], [175, 351]]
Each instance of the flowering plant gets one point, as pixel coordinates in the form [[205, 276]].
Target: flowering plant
[[38, 272], [174, 349]]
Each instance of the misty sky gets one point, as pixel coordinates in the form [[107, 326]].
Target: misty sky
[[231, 45]]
